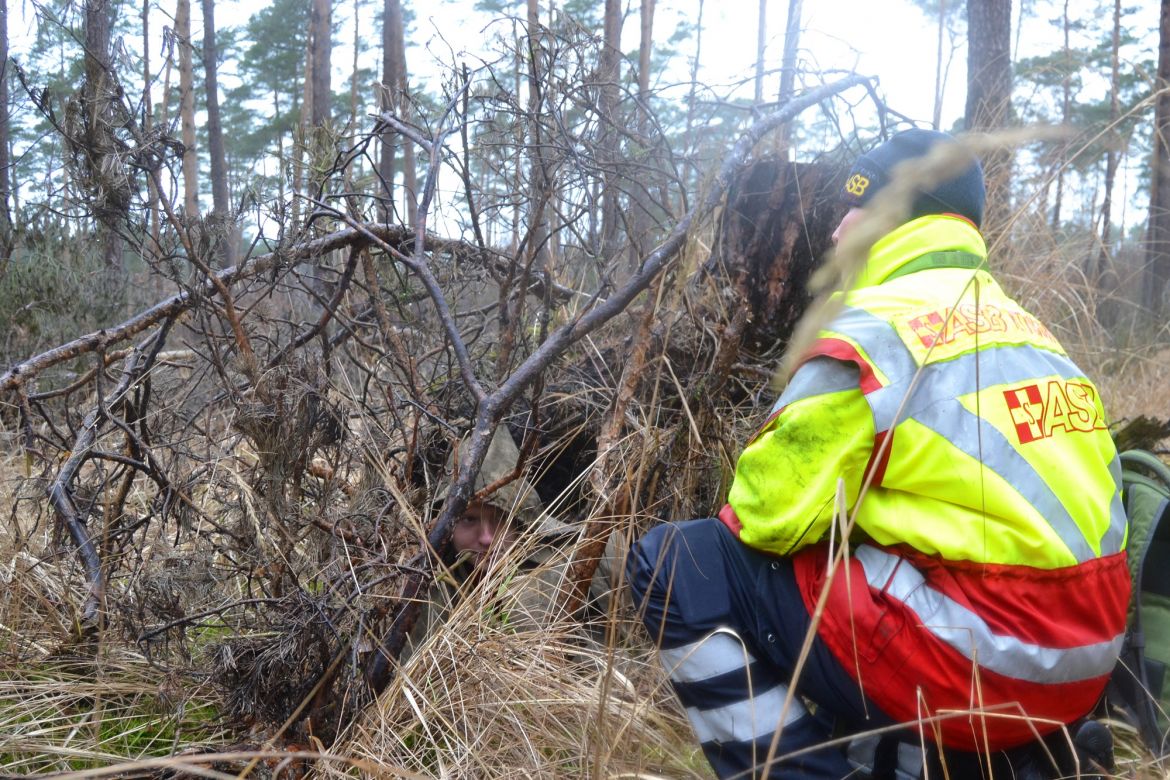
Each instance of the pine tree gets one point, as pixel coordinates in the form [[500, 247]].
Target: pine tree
[[221, 197], [1158, 235], [989, 92]]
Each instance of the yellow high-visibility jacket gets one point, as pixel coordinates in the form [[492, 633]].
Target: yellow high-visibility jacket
[[988, 574]]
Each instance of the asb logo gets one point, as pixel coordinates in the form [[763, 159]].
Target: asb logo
[[857, 185], [929, 328], [1039, 410], [969, 320]]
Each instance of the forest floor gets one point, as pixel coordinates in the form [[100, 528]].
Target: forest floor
[[478, 698]]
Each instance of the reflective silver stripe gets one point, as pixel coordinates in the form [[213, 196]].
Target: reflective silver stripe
[[862, 753], [1003, 365], [969, 634], [974, 371], [910, 761], [746, 720], [880, 341], [950, 379], [1114, 539], [983, 442], [990, 366], [715, 654], [819, 376]]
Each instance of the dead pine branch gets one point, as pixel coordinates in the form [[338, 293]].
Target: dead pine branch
[[492, 406], [60, 492], [362, 367], [361, 234]]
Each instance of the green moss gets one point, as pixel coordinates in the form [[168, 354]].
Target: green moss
[[52, 721]]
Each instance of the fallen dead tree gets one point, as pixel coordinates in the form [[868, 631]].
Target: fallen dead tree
[[319, 440]]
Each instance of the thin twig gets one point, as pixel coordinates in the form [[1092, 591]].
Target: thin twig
[[492, 407]]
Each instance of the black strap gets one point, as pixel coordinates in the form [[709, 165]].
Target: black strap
[[950, 259]]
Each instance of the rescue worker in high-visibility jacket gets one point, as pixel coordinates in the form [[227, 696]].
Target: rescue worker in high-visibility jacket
[[984, 587]]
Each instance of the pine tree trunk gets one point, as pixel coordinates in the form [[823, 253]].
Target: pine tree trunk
[[788, 72], [187, 109], [152, 209], [689, 145], [391, 10], [989, 92], [301, 133], [936, 117], [609, 67], [1066, 107], [320, 63], [394, 100], [96, 96], [1112, 153], [5, 139], [1158, 233], [644, 183], [280, 151], [321, 41], [761, 47], [221, 199], [353, 79]]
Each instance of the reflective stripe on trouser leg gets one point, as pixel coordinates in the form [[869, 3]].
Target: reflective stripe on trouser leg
[[720, 683], [903, 759], [693, 584]]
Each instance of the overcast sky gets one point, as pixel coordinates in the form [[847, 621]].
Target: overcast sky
[[889, 39]]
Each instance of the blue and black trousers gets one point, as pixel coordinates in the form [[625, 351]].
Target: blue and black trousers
[[730, 624]]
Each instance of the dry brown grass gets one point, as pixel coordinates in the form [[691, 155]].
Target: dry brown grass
[[70, 701], [481, 700], [1129, 359], [482, 697]]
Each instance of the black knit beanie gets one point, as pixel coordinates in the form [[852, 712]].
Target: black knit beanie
[[962, 195]]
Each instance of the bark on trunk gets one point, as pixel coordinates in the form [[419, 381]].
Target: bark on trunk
[[321, 41], [989, 91], [644, 183], [152, 210], [96, 101], [1065, 111], [693, 92], [788, 72], [320, 88], [5, 138], [761, 47], [609, 73], [187, 109], [357, 50], [394, 86], [221, 199], [1112, 153], [936, 117], [1158, 236]]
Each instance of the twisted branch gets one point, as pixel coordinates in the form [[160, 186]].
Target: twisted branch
[[493, 406]]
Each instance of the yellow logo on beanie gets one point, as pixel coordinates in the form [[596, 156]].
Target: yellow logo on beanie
[[857, 185]]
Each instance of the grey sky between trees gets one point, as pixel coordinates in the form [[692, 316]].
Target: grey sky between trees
[[895, 41]]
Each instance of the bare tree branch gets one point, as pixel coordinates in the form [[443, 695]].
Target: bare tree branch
[[492, 406]]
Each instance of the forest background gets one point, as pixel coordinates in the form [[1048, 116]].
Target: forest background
[[252, 295]]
